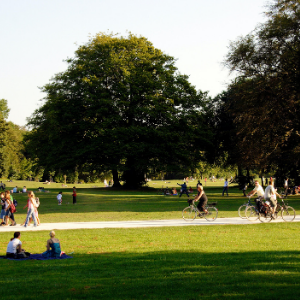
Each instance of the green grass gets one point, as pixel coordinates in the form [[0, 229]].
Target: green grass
[[204, 262], [106, 204], [216, 262]]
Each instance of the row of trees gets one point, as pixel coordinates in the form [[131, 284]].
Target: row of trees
[[122, 107]]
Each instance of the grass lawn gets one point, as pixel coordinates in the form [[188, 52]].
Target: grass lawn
[[106, 204], [210, 262]]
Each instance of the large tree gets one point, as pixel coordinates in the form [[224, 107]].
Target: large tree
[[265, 96], [122, 106]]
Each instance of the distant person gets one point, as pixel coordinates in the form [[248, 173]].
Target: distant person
[[225, 188], [183, 189], [174, 192], [59, 198], [53, 247], [15, 189], [286, 186], [74, 195], [14, 248], [205, 179], [3, 209], [24, 190]]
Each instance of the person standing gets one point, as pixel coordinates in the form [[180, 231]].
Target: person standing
[[205, 179], [74, 195], [286, 186], [31, 209], [59, 198], [225, 189]]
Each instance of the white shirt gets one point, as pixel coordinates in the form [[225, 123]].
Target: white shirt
[[259, 190], [59, 196], [269, 191], [12, 246]]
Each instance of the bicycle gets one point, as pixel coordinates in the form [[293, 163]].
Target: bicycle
[[288, 213], [191, 212], [261, 211], [243, 207]]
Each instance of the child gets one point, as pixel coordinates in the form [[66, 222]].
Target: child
[[59, 198]]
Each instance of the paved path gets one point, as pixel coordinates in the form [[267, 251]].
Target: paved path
[[135, 224]]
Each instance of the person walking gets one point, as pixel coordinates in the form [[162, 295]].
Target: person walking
[[225, 189], [31, 209]]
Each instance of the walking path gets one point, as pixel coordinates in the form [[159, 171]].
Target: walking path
[[136, 224]]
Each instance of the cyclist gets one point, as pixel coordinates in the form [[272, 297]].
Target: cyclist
[[270, 195], [257, 190], [201, 197]]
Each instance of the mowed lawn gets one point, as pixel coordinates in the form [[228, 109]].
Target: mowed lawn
[[205, 262], [106, 204]]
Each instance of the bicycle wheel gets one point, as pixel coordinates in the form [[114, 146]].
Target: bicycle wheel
[[288, 214], [189, 213], [251, 213], [242, 211], [265, 218], [212, 213]]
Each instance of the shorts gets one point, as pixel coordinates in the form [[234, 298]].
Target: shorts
[[272, 201], [2, 214]]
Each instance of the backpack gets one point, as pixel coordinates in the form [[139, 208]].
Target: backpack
[[37, 202], [15, 202], [12, 208]]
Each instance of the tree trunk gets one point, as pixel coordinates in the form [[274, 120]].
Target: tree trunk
[[116, 179]]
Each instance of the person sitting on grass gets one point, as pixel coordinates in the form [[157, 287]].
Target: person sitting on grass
[[14, 248], [53, 247], [202, 198], [174, 192]]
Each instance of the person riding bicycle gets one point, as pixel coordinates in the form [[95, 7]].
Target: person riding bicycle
[[201, 197], [257, 190], [270, 195]]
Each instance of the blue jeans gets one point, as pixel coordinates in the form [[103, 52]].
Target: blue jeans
[[30, 213]]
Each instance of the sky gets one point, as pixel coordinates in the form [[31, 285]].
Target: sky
[[37, 36]]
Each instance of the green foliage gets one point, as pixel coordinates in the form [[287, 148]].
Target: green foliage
[[4, 110], [121, 106], [264, 101]]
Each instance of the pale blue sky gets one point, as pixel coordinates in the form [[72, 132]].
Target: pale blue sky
[[37, 35]]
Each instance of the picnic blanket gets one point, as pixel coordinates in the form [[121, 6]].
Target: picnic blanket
[[39, 257]]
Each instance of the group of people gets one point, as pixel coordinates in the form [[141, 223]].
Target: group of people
[[15, 250], [74, 195], [8, 209], [270, 194]]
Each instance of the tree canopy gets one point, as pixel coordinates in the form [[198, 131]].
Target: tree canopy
[[265, 95], [121, 105]]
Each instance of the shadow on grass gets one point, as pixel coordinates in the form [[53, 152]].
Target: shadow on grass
[[165, 275]]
